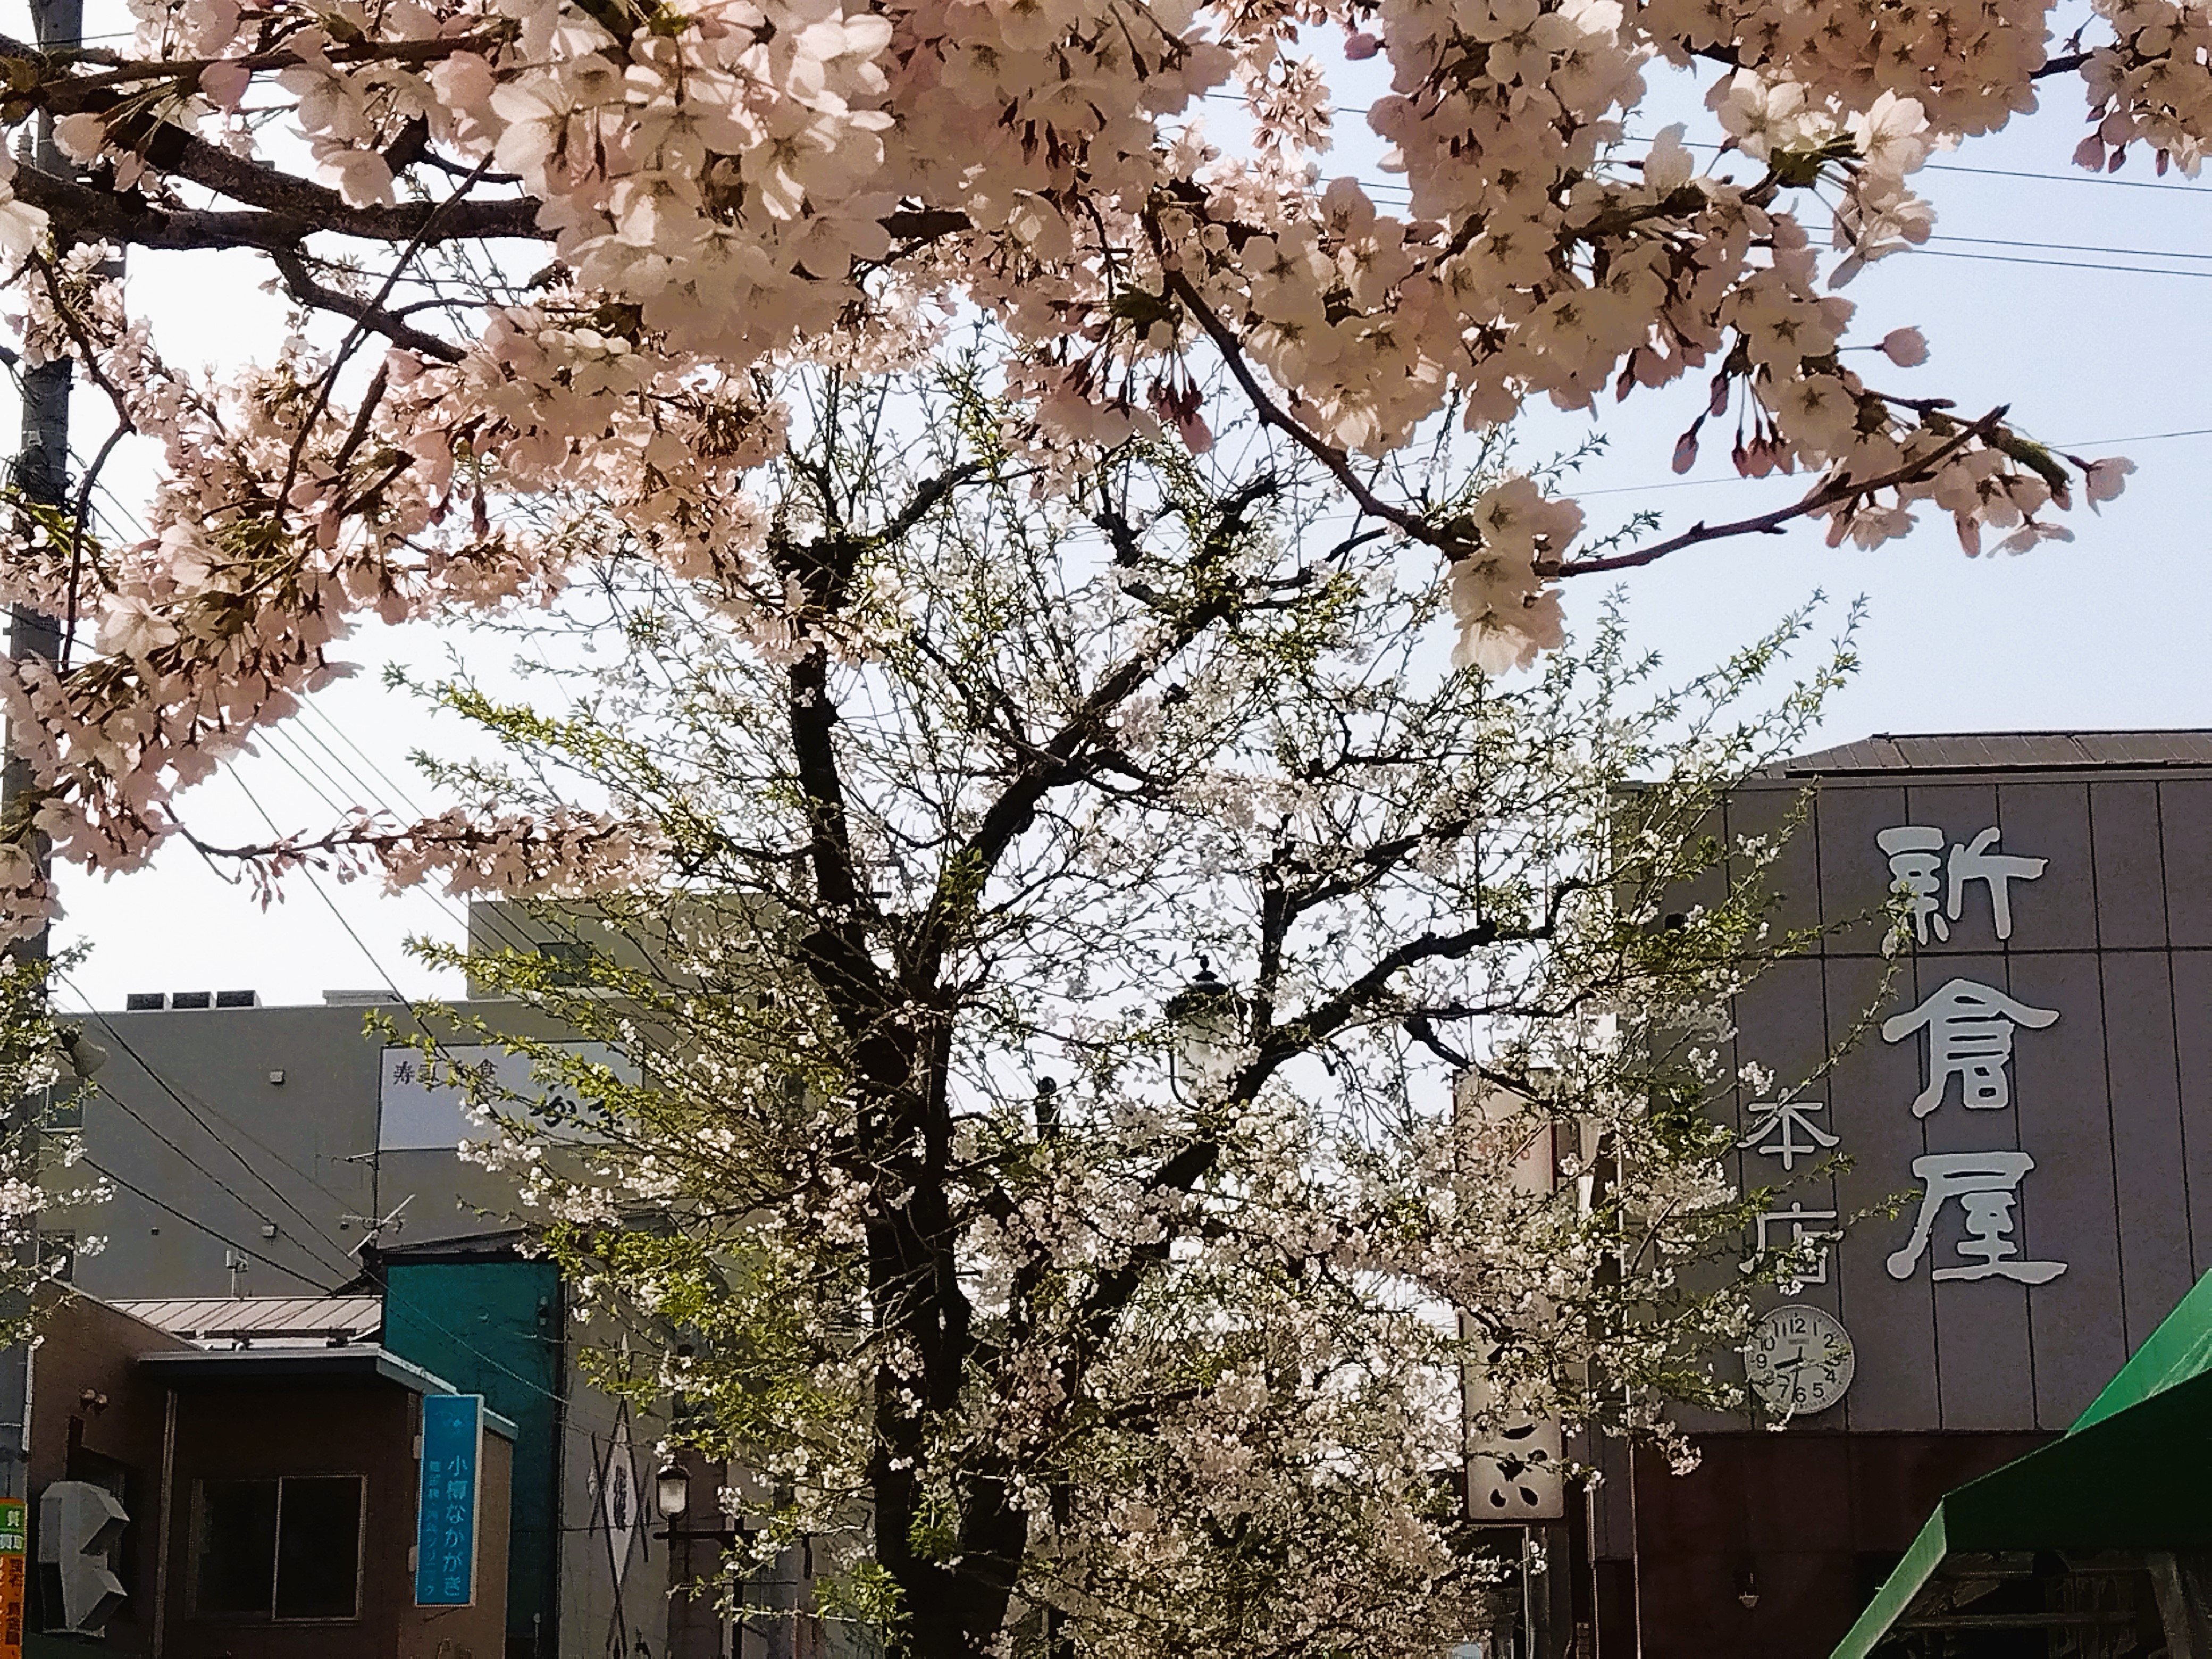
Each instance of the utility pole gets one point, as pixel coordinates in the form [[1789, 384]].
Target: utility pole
[[41, 472]]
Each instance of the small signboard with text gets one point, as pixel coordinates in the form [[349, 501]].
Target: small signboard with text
[[445, 1524], [14, 1525], [423, 1102]]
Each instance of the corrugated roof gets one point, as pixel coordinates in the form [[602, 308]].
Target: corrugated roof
[[2003, 751], [263, 1318]]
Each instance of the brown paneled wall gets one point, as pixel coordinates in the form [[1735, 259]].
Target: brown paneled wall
[[1816, 1520], [2112, 1101]]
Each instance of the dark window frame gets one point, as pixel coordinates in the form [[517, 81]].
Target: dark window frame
[[199, 1543]]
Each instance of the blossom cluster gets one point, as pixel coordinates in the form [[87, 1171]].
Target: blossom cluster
[[749, 185]]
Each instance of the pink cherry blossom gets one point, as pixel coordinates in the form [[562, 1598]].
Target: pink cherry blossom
[[729, 192], [1905, 347]]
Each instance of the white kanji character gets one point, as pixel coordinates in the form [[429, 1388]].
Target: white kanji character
[[1916, 861], [1797, 1216], [1970, 1029], [1986, 1185], [1977, 862], [1788, 1116]]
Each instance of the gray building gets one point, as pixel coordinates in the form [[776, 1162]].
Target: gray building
[[255, 1157], [1994, 1132]]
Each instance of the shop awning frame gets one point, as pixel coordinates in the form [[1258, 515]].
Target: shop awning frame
[[2134, 1474]]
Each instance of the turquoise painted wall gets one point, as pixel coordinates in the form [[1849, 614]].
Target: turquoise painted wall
[[494, 1328]]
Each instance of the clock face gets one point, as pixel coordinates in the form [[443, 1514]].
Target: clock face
[[1799, 1360]]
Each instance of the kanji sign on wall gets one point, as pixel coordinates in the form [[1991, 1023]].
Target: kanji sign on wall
[[1976, 1107], [445, 1519]]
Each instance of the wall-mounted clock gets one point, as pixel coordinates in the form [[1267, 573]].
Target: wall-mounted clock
[[1799, 1360]]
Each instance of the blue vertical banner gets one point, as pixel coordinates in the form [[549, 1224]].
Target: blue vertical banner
[[445, 1515]]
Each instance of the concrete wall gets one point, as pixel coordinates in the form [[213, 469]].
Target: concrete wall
[[207, 1156]]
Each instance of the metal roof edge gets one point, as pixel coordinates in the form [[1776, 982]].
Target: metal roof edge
[[2180, 1347], [2148, 748]]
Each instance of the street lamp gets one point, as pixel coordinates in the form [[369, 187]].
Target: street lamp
[[671, 1489], [671, 1492], [1205, 1027]]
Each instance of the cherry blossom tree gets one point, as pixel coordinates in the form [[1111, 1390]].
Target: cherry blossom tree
[[581, 235], [1066, 1298], [45, 1061]]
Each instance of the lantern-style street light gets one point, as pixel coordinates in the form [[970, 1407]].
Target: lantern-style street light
[[1206, 1029], [671, 1489], [672, 1493]]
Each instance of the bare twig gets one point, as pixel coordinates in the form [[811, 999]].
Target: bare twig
[[123, 429], [353, 338], [302, 285]]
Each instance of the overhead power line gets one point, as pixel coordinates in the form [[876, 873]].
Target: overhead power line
[[200, 1110], [2072, 248], [2063, 265], [192, 1162], [216, 1234]]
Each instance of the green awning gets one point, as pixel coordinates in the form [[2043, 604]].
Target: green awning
[[2180, 1348], [2134, 1472]]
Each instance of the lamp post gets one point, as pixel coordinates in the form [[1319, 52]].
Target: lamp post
[[671, 1496], [696, 1628], [672, 1490], [1206, 1022]]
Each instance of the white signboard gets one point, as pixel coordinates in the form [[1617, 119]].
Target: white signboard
[[422, 1103]]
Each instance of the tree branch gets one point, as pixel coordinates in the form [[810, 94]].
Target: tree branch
[[1766, 524], [301, 283], [1055, 763], [95, 214], [1273, 414]]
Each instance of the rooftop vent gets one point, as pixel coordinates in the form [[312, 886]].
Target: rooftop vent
[[238, 999], [140, 1002], [190, 999], [357, 999]]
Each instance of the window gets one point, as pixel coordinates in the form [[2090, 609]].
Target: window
[[287, 1548], [61, 1107], [571, 964]]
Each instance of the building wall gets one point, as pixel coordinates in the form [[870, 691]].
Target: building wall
[[112, 1438], [1816, 1520], [614, 1574], [207, 1156], [2112, 1102], [234, 1433], [494, 1328], [206, 1152]]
